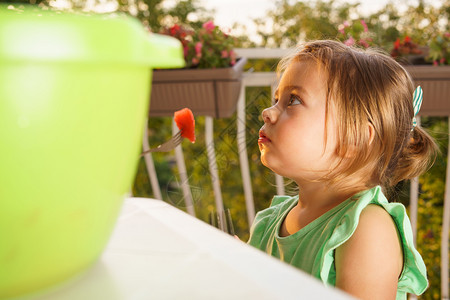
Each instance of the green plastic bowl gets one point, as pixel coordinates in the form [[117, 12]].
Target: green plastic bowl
[[74, 96]]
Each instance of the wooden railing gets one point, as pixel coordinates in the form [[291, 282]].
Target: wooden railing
[[436, 81]]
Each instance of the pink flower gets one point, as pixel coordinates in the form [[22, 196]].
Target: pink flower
[[346, 24], [208, 47], [447, 34], [198, 49], [365, 26], [350, 41], [209, 26], [363, 43], [435, 63], [442, 61]]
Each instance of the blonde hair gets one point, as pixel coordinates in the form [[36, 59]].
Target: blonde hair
[[369, 87]]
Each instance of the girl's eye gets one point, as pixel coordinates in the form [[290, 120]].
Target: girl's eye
[[294, 100]]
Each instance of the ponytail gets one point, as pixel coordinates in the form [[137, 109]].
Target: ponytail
[[416, 158]]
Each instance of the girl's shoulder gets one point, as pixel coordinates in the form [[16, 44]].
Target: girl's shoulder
[[372, 256], [373, 211]]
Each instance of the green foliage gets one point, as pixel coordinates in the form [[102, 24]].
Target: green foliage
[[263, 65], [156, 14], [384, 25], [23, 1], [430, 211], [297, 21], [422, 23], [440, 49]]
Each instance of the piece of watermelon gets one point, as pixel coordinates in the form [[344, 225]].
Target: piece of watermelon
[[184, 118]]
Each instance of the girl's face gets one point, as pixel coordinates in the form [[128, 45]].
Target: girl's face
[[294, 141]]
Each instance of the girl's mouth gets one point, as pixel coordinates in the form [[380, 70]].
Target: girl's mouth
[[263, 139]]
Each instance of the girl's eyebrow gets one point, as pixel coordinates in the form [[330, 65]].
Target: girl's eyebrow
[[292, 87], [297, 87]]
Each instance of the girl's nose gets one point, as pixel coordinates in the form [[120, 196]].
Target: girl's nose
[[270, 114]]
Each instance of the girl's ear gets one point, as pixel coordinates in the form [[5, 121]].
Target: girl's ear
[[371, 133]]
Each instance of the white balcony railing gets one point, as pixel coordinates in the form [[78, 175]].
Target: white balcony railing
[[268, 79]]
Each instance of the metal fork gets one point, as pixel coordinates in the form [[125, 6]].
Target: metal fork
[[167, 146], [222, 221]]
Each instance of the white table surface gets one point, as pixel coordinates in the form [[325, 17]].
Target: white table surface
[[159, 252]]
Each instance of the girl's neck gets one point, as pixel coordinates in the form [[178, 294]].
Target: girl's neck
[[321, 197], [315, 199]]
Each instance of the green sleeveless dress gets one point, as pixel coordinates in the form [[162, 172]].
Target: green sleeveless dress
[[312, 248]]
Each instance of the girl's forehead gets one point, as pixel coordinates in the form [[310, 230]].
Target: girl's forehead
[[307, 67], [304, 72]]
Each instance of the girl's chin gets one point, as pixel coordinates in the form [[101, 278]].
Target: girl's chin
[[265, 164], [271, 162], [268, 165]]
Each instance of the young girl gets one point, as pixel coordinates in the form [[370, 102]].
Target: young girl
[[343, 128]]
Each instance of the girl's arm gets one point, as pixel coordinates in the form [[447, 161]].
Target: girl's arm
[[369, 264]]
